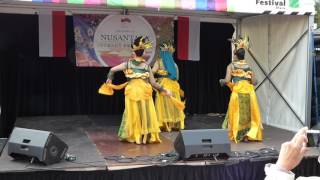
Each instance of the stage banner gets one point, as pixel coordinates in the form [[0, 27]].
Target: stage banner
[[299, 7], [295, 7], [104, 40]]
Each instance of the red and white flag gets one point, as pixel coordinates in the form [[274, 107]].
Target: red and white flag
[[52, 34], [188, 47]]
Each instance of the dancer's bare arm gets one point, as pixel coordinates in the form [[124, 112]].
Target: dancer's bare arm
[[227, 78], [120, 67], [156, 85]]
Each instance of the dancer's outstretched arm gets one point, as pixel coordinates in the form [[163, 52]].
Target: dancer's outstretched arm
[[156, 85], [227, 77], [253, 79], [155, 67], [177, 69], [120, 67]]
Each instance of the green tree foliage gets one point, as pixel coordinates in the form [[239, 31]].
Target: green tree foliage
[[317, 16]]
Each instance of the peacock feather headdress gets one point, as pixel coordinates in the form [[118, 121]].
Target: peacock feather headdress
[[143, 44], [241, 42], [167, 46]]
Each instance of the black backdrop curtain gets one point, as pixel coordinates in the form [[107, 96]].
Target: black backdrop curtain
[[200, 80], [32, 86]]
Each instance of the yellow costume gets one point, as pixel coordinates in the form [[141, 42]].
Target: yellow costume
[[243, 118], [169, 116], [139, 120], [169, 109]]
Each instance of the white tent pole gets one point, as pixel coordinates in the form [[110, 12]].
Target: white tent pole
[[309, 72], [239, 28]]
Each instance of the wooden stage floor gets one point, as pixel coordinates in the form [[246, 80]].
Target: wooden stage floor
[[93, 140]]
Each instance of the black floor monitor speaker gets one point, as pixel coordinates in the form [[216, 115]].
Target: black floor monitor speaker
[[3, 142], [44, 146], [202, 143]]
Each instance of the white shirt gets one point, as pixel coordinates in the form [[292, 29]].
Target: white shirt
[[274, 173]]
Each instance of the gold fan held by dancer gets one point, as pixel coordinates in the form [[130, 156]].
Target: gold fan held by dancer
[[243, 119], [170, 117], [139, 121]]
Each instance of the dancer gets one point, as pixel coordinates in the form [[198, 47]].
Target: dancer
[[243, 118], [169, 116], [139, 121]]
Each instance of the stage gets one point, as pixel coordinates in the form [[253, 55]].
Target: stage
[[100, 155]]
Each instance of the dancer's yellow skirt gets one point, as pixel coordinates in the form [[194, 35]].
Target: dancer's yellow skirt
[[243, 118], [169, 116], [139, 122]]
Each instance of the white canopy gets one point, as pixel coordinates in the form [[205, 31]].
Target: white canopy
[[280, 53]]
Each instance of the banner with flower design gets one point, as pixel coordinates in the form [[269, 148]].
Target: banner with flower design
[[104, 40]]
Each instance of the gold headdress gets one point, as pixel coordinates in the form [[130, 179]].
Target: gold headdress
[[167, 46], [142, 45], [241, 42]]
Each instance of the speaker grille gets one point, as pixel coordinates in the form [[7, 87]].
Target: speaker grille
[[202, 143], [44, 146]]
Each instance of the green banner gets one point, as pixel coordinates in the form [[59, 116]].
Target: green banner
[[114, 2], [131, 3], [170, 4], [294, 3], [76, 1]]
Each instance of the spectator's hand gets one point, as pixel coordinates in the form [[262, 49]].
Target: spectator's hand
[[292, 152]]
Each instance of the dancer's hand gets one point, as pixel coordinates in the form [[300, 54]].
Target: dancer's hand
[[222, 82], [108, 81], [168, 93], [292, 152]]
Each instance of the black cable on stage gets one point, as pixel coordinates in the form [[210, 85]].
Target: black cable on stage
[[164, 159], [160, 159], [268, 152]]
